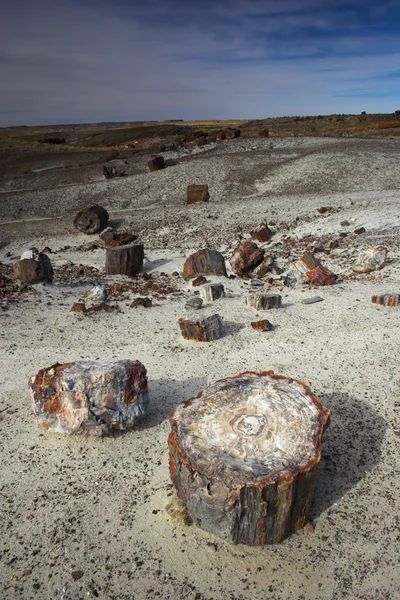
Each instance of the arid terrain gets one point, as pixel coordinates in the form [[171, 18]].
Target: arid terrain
[[86, 517]]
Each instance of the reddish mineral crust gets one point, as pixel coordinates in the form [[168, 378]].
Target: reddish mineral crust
[[90, 397]]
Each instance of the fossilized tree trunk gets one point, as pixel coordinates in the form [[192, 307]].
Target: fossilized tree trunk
[[244, 456], [91, 220], [124, 260]]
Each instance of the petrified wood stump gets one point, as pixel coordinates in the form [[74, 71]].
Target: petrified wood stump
[[264, 301], [90, 397], [124, 260], [34, 266], [244, 456], [197, 193], [204, 261], [91, 220], [386, 300], [201, 329]]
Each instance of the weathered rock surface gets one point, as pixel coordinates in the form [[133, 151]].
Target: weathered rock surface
[[246, 257], [143, 302], [387, 300], [91, 220], [231, 134], [33, 266], [200, 280], [264, 301], [90, 397], [201, 329], [211, 291], [244, 456], [370, 260], [263, 268], [204, 261], [197, 193]]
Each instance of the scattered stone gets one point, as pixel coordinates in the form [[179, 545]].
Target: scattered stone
[[204, 261], [200, 280], [263, 325], [309, 268], [323, 209], [46, 250], [157, 163], [312, 300], [90, 397], [386, 300], [194, 302], [115, 168], [344, 224], [201, 330], [369, 260], [142, 302], [102, 306], [77, 575], [261, 233], [97, 294], [91, 220], [211, 291], [246, 257], [333, 244], [264, 301], [78, 307], [33, 266], [197, 193], [359, 230], [124, 260]]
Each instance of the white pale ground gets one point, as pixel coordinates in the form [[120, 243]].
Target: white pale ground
[[98, 505]]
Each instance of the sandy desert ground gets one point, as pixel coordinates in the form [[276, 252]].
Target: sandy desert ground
[[85, 517]]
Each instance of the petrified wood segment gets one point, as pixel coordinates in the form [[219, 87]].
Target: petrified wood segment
[[386, 299], [244, 456], [370, 260], [124, 260], [197, 193], [202, 329], [264, 301], [91, 220], [263, 325], [204, 261], [115, 168], [314, 271], [90, 397], [245, 258], [33, 266], [211, 291], [261, 233], [157, 163]]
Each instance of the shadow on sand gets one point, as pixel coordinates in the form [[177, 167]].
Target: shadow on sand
[[351, 448]]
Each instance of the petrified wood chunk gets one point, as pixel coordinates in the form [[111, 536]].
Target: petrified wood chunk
[[157, 163], [244, 456], [91, 220], [211, 291], [200, 280], [264, 301], [115, 168], [245, 258], [261, 233], [204, 261], [263, 325], [197, 193], [33, 266], [386, 299], [370, 260], [201, 329], [231, 134], [263, 268], [90, 397], [124, 260], [112, 238], [310, 268]]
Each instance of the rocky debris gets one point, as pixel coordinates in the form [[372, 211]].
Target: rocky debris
[[326, 209], [101, 306], [197, 193], [211, 291], [91, 220], [231, 134], [194, 302], [96, 294], [263, 325], [115, 168], [70, 273], [370, 260], [246, 257], [124, 260], [33, 266], [144, 284], [78, 307], [90, 397], [386, 300], [309, 268], [204, 261], [200, 280], [142, 302], [263, 268], [157, 163], [201, 329], [359, 230], [261, 233], [264, 301], [312, 300], [201, 141]]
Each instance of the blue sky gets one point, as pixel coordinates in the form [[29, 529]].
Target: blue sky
[[71, 61]]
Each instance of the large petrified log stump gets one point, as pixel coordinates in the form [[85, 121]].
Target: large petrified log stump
[[124, 260], [90, 397], [244, 456], [91, 220], [204, 261], [33, 266]]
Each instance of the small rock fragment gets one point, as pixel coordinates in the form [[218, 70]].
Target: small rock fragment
[[200, 280], [194, 302], [204, 261], [97, 294], [263, 325], [170, 162], [344, 223], [309, 528], [359, 230], [201, 330], [264, 301], [77, 575], [114, 168], [78, 307], [211, 291], [370, 260], [197, 193], [386, 300], [157, 163], [312, 300], [231, 134], [142, 303], [246, 257]]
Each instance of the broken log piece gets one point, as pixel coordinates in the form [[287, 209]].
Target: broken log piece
[[369, 260], [264, 301], [310, 268], [199, 281], [90, 397], [263, 268], [157, 163], [246, 257], [201, 329], [33, 266], [386, 300], [124, 260], [244, 456], [115, 168], [197, 193], [204, 261], [231, 134], [263, 325], [91, 220], [211, 291], [261, 233]]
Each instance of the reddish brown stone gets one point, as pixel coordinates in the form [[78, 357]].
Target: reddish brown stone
[[264, 301], [201, 141], [359, 230], [246, 257], [263, 325], [387, 300], [78, 307], [201, 330], [314, 271], [157, 163], [113, 239], [204, 261], [261, 233], [197, 193], [220, 135], [200, 280]]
